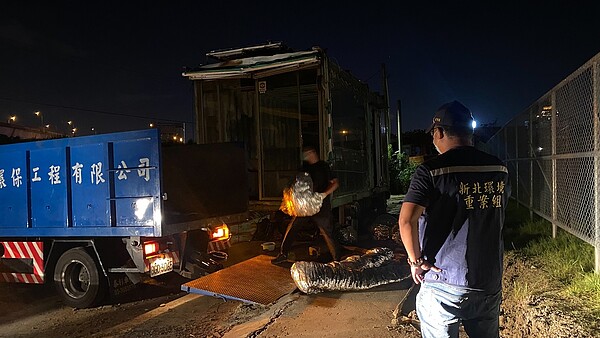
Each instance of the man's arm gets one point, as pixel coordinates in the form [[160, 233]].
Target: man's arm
[[409, 229], [409, 232]]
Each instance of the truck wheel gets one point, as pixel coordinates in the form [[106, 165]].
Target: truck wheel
[[78, 280]]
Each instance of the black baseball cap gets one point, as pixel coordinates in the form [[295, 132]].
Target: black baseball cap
[[452, 114]]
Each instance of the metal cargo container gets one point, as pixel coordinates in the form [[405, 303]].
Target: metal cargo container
[[275, 101]]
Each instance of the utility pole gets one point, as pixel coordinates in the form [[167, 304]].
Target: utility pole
[[41, 116], [399, 117], [387, 103]]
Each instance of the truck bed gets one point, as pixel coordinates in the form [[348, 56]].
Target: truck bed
[[119, 184]]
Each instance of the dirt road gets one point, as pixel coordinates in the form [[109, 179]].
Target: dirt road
[[355, 314], [159, 309]]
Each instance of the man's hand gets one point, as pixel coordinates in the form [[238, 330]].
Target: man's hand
[[418, 272], [333, 185]]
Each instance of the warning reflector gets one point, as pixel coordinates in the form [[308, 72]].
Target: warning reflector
[[22, 262], [254, 281]]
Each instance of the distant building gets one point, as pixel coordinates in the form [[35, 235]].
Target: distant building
[[171, 132]]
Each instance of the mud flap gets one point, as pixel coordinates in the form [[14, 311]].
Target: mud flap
[[199, 264], [119, 284]]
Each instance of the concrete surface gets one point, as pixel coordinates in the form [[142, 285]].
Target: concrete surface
[[367, 313]]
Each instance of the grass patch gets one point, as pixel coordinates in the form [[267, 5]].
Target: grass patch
[[587, 289], [519, 230], [521, 290], [565, 259]]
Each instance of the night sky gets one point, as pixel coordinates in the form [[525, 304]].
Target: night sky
[[98, 64]]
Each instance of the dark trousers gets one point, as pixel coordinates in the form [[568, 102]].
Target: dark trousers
[[323, 220]]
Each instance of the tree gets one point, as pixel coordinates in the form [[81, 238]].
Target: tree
[[401, 170]]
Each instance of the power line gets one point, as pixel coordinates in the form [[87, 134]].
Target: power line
[[95, 111]]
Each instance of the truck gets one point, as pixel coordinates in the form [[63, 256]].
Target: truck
[[99, 213], [275, 101], [95, 213]]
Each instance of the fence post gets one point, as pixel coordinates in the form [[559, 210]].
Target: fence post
[[531, 155], [595, 93], [554, 191], [516, 159]]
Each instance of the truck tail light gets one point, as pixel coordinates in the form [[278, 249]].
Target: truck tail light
[[220, 233], [150, 248]]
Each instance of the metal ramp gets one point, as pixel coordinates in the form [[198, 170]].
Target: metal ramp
[[254, 281]]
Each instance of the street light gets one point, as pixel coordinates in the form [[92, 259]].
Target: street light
[[41, 116], [12, 118], [72, 127]]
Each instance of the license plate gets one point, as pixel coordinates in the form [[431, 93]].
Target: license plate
[[161, 265]]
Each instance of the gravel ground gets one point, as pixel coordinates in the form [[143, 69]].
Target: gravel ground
[[34, 311]]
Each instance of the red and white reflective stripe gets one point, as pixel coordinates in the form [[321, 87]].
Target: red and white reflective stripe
[[219, 245], [32, 250]]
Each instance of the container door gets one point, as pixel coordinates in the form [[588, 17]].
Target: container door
[[89, 182], [289, 120], [13, 190], [279, 132], [49, 177], [137, 183]]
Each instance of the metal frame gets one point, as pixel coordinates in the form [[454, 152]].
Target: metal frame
[[574, 95]]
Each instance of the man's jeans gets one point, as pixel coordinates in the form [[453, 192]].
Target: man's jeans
[[441, 308]]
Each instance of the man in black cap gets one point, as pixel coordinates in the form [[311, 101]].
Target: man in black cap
[[451, 224], [325, 182]]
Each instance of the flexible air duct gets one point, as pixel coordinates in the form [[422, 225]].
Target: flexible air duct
[[376, 267]]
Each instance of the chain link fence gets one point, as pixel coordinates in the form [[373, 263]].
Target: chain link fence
[[552, 150]]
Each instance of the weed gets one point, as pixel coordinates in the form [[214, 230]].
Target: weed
[[587, 289], [520, 290], [565, 259]]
